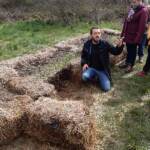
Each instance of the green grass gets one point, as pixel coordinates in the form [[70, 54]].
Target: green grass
[[123, 118], [116, 25], [23, 37], [127, 115]]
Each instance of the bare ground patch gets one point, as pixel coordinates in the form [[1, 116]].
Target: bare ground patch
[[69, 89]]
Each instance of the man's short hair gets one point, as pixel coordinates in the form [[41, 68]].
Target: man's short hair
[[91, 30]]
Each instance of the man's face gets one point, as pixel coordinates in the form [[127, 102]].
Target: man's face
[[96, 34], [135, 2]]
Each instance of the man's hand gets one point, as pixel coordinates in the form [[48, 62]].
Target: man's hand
[[120, 42], [85, 67]]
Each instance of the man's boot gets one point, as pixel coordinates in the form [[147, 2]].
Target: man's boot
[[140, 60]]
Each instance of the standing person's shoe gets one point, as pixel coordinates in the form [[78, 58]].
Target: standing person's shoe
[[140, 60], [141, 74], [129, 69], [123, 66]]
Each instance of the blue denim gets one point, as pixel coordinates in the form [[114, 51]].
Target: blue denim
[[142, 46], [104, 81]]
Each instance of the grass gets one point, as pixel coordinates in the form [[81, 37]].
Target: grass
[[18, 38], [45, 71], [126, 116], [130, 112], [122, 115]]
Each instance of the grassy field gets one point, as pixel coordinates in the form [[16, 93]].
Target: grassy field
[[18, 38], [127, 115], [122, 115]]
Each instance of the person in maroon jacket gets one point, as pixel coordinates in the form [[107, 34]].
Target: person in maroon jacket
[[133, 30]]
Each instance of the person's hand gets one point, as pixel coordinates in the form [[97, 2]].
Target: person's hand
[[85, 67], [120, 42]]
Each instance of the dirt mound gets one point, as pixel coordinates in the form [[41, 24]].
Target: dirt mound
[[30, 86], [41, 57], [5, 95], [66, 123], [73, 45], [28, 143], [6, 73], [117, 59], [12, 118]]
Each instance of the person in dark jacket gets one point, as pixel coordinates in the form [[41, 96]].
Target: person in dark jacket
[[133, 30], [142, 45], [95, 59], [146, 67]]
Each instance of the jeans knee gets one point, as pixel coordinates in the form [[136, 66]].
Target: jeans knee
[[85, 76], [106, 86], [106, 89]]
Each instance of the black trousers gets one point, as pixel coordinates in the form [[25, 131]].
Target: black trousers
[[147, 65], [131, 53]]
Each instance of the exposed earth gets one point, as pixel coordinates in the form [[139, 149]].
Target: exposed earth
[[46, 106]]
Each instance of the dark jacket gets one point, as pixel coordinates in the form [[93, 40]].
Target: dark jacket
[[104, 49], [134, 29]]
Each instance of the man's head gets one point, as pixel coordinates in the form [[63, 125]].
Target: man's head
[[135, 3], [95, 33]]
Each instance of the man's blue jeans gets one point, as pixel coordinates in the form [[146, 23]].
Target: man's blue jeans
[[104, 81], [142, 46]]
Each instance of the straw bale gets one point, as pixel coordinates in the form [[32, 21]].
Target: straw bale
[[12, 118], [6, 73], [66, 123], [30, 86]]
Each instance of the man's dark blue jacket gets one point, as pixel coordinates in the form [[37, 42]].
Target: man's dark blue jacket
[[104, 49]]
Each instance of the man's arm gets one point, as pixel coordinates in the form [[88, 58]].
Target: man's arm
[[116, 50], [84, 56]]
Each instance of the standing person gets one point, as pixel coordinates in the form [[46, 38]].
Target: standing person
[[142, 45], [95, 59], [141, 48], [146, 68], [133, 29]]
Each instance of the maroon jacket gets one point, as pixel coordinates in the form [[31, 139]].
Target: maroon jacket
[[134, 29]]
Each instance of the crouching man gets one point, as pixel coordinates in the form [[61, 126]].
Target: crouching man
[[95, 59]]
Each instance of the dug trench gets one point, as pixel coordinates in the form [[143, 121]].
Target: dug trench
[[45, 100], [69, 86]]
